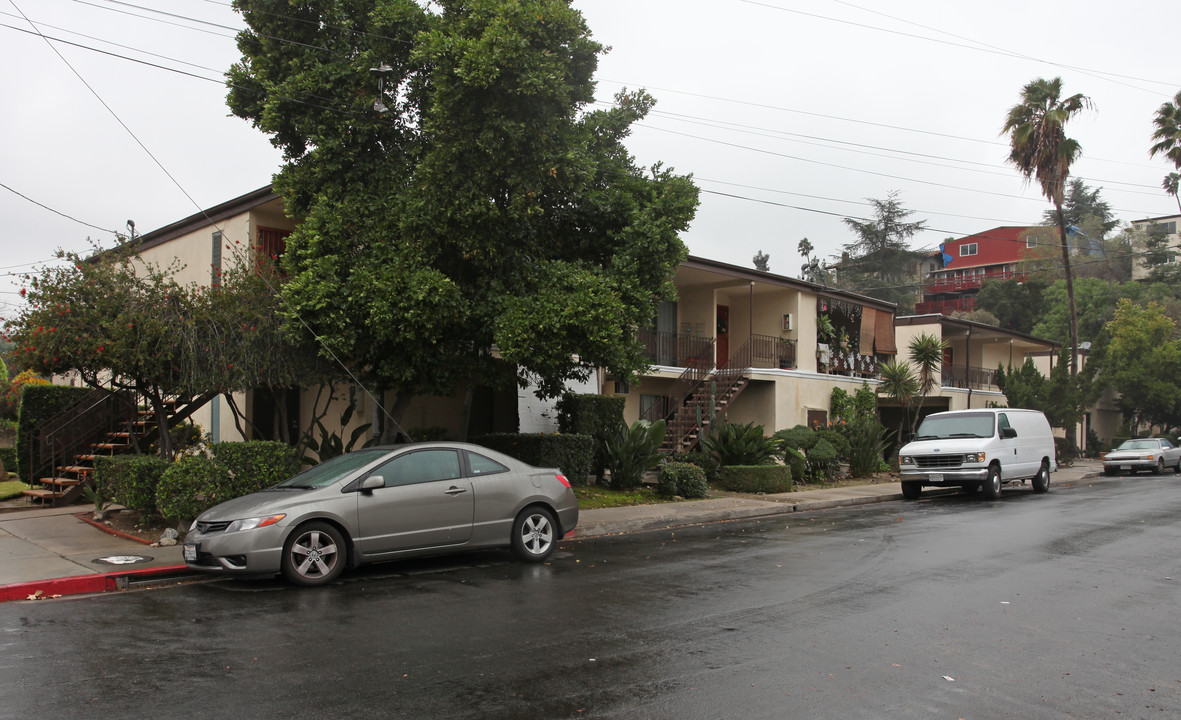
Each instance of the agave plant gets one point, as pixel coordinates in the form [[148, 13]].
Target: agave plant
[[741, 444], [632, 451]]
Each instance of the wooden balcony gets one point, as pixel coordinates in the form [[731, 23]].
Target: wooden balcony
[[964, 283]]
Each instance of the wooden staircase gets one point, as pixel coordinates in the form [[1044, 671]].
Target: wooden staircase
[[699, 396], [103, 423]]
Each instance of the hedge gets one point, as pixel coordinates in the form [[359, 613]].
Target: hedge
[[594, 415], [681, 479], [255, 465], [190, 486], [130, 480], [570, 453], [39, 405], [767, 479], [8, 457]]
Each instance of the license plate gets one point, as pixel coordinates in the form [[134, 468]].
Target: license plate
[[1125, 467], [935, 477], [190, 553]]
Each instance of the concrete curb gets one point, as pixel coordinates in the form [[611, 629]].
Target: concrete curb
[[84, 584]]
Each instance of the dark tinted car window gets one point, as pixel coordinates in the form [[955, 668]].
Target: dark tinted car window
[[421, 466], [481, 465]]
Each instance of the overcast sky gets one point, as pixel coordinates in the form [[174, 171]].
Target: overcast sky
[[788, 114]]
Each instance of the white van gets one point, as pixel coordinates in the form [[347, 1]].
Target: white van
[[978, 449]]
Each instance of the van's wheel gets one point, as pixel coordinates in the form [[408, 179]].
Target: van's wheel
[[1160, 467], [992, 486], [1041, 481], [911, 490], [1110, 471]]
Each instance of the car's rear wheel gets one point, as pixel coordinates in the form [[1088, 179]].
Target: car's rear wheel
[[1160, 467], [314, 554], [1041, 481], [992, 486], [534, 534], [911, 490]]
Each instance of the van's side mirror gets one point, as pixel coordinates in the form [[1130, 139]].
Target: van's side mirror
[[1009, 432], [371, 483]]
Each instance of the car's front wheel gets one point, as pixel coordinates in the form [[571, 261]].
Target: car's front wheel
[[534, 534], [992, 486], [1109, 471], [1160, 467], [314, 554], [911, 490], [1041, 481]]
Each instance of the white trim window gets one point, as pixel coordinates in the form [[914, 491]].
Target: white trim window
[[967, 249]]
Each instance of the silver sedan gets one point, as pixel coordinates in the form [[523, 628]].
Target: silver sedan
[[1153, 454], [385, 503]]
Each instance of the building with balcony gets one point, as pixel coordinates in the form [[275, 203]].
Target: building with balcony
[[995, 254]]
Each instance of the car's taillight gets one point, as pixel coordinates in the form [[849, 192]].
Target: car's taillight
[[562, 479]]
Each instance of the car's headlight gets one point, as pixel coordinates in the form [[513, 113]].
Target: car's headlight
[[974, 457], [193, 526], [255, 522], [906, 460]]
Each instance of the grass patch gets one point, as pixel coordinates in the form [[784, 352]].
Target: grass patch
[[593, 497], [11, 489]]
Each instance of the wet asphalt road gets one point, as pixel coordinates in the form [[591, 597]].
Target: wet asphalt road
[[1035, 606]]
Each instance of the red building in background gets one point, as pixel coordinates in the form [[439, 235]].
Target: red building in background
[[995, 254]]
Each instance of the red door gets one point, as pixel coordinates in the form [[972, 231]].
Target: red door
[[722, 351]]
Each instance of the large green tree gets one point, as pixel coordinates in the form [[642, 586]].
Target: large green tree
[[880, 263], [1142, 360], [1039, 148], [1017, 305], [460, 205]]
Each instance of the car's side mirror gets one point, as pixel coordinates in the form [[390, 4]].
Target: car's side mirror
[[371, 483], [1008, 432]]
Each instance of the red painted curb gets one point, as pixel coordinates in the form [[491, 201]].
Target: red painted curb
[[88, 518], [99, 582]]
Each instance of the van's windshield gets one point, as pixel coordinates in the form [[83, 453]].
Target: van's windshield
[[960, 425]]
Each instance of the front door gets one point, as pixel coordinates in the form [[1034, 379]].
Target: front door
[[723, 337]]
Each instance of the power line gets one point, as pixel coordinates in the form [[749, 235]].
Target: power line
[[56, 212]]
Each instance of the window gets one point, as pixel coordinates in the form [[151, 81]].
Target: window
[[481, 465], [967, 249], [1166, 228], [215, 263], [1031, 241], [421, 466], [1002, 422], [621, 388]]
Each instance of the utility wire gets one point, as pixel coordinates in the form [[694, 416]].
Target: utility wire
[[57, 212]]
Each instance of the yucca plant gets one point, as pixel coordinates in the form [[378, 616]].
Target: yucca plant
[[633, 450], [741, 444], [867, 441]]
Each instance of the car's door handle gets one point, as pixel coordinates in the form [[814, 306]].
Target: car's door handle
[[455, 490]]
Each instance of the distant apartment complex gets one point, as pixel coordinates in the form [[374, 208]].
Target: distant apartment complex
[[961, 267], [1165, 225]]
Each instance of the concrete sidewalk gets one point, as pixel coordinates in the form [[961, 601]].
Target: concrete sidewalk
[[49, 552]]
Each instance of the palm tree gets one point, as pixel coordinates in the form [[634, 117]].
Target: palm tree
[[1170, 184], [1168, 132], [1038, 147], [899, 384], [926, 352]]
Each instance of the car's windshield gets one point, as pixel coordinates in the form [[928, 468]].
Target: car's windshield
[[332, 470], [969, 425], [1139, 445]]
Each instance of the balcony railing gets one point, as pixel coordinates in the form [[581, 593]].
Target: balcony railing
[[968, 282], [664, 348], [770, 351], [945, 307], [977, 378], [847, 362]]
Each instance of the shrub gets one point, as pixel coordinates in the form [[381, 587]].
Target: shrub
[[1065, 449], [800, 437], [681, 479], [867, 443], [190, 486], [837, 439], [39, 404], [708, 463], [255, 465], [594, 415], [8, 457], [822, 460], [130, 480], [632, 450], [570, 453], [740, 444], [767, 479]]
